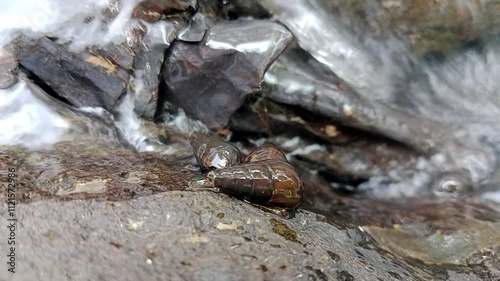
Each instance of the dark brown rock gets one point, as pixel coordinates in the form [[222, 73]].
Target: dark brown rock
[[154, 10], [210, 80], [86, 80]]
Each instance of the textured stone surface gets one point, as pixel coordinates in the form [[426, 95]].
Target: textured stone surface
[[8, 68], [193, 236], [75, 229]]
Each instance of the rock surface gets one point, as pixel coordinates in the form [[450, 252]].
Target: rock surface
[[8, 69], [172, 235]]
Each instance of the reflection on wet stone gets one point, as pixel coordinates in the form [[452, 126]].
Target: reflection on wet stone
[[154, 10], [147, 66], [210, 80]]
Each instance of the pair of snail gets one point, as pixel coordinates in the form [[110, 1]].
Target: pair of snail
[[264, 177]]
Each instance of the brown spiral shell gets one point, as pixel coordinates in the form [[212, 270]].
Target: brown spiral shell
[[265, 152], [212, 152], [272, 183]]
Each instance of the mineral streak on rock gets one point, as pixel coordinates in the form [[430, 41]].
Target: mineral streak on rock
[[83, 81], [154, 10], [210, 80]]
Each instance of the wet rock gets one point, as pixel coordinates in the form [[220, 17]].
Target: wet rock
[[486, 262], [209, 12], [438, 241], [327, 40], [298, 81], [93, 123], [154, 10], [169, 234], [120, 55], [435, 232], [197, 28], [337, 151], [177, 235], [8, 69], [90, 80], [92, 169], [210, 80], [147, 66], [428, 26], [32, 118], [361, 161], [239, 8]]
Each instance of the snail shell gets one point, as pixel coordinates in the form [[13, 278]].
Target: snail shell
[[266, 152], [212, 152], [272, 183]]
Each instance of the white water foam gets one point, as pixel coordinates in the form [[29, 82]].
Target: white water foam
[[29, 121], [26, 120], [83, 23]]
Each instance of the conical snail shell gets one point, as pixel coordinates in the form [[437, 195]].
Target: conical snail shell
[[272, 183], [212, 152], [266, 151]]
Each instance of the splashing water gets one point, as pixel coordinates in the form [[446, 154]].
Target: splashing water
[[26, 120], [25, 113], [82, 23]]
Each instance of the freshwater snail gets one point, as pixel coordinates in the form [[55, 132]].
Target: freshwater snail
[[212, 152], [271, 183], [265, 178], [265, 152]]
